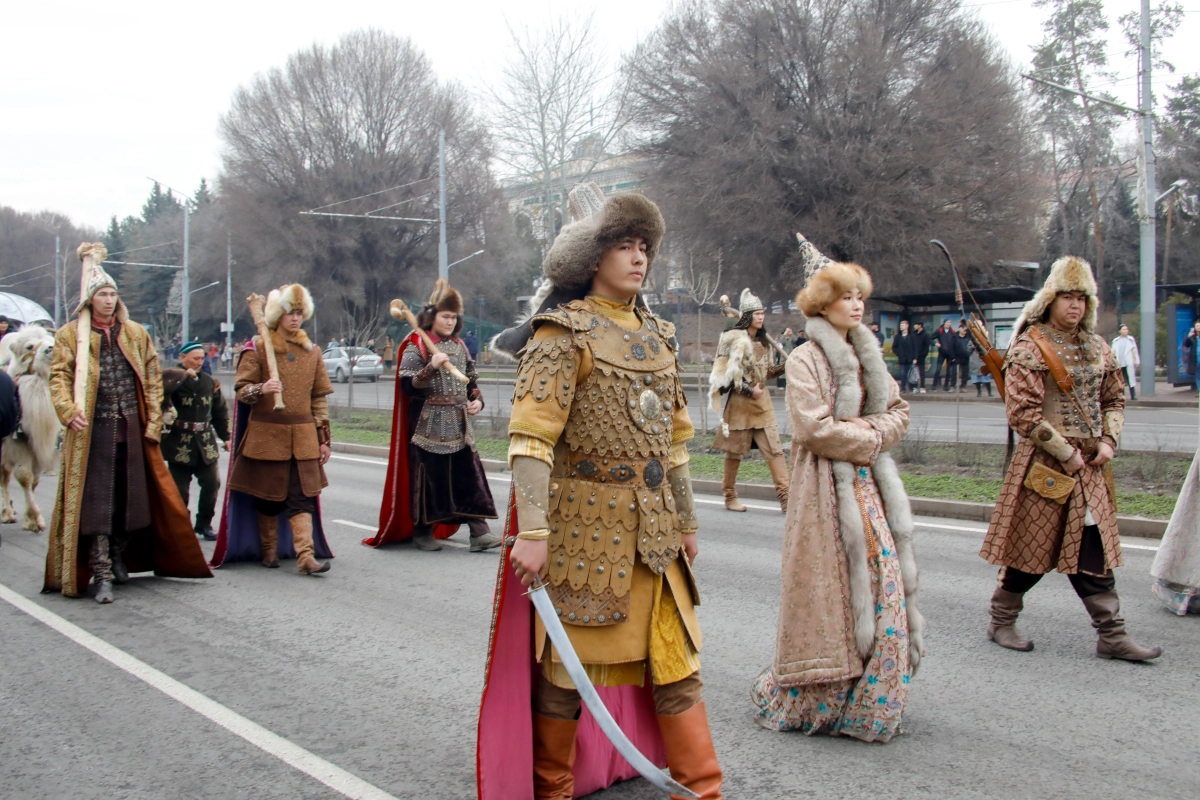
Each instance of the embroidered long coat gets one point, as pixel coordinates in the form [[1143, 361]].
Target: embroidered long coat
[[171, 548], [826, 609]]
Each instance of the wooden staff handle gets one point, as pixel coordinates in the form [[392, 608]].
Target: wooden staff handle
[[256, 302], [401, 312]]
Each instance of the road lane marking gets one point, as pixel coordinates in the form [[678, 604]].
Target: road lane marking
[[289, 753], [358, 525], [377, 462]]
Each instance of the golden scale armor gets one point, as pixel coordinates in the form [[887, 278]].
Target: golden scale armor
[[610, 500]]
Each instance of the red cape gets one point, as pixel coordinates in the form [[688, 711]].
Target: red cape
[[395, 513], [504, 747]]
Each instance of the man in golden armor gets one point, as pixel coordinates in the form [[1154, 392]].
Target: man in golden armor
[[1064, 395], [741, 371], [280, 458], [603, 507]]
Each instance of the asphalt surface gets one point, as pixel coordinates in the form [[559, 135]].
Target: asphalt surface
[[1150, 429], [377, 667]]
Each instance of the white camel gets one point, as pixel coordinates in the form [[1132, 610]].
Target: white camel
[[29, 452]]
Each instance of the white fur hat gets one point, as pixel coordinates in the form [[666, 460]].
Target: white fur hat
[[1068, 274], [286, 299]]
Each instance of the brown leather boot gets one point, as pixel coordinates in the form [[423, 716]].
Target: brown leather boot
[[1113, 641], [1002, 629], [553, 757], [729, 485], [690, 753], [779, 474], [268, 536], [302, 538]]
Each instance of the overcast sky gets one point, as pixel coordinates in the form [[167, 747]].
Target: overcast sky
[[95, 97]]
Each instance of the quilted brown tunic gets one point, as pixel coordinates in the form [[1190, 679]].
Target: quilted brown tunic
[[1029, 532], [274, 438]]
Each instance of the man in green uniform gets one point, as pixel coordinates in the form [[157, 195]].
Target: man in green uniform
[[190, 442]]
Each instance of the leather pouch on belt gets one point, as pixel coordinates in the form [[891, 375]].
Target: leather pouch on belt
[[1048, 483]]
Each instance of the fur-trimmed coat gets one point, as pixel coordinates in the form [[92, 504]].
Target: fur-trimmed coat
[[827, 606]]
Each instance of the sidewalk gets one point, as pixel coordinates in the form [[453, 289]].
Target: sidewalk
[[951, 509]]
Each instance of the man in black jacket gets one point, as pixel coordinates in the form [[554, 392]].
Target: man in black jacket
[[960, 354], [905, 350], [921, 346], [943, 339]]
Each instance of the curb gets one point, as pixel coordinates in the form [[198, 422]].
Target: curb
[[1141, 527]]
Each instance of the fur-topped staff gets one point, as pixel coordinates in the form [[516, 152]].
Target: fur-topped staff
[[577, 250]]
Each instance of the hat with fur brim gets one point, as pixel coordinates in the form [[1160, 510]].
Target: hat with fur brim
[[285, 300], [578, 248], [1068, 274]]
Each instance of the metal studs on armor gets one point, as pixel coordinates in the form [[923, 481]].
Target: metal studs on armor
[[591, 501], [587, 618], [633, 507], [595, 537], [612, 504], [658, 569], [571, 616], [620, 574], [579, 565], [626, 337], [600, 569], [616, 540], [560, 562], [616, 615], [600, 618]]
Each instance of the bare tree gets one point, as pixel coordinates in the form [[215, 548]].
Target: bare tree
[[350, 129], [870, 127], [701, 286], [555, 113]]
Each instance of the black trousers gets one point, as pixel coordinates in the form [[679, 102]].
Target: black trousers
[[942, 358], [295, 503], [208, 476], [1091, 558]]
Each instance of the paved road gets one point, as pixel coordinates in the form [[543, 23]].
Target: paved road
[[1152, 429], [377, 668]]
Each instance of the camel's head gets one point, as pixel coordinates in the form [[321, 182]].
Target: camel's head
[[32, 349]]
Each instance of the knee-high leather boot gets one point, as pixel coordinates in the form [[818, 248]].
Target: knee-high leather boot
[[1002, 629], [553, 757], [690, 752], [729, 485], [779, 474], [302, 538], [1113, 641], [268, 536]]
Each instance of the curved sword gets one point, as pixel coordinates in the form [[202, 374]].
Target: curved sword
[[570, 661]]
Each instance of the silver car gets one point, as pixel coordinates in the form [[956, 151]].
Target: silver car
[[366, 364]]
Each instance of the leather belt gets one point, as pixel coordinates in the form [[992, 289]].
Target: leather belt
[[190, 426], [271, 418], [445, 400], [648, 472]]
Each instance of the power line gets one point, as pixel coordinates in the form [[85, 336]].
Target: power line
[[31, 269], [372, 194]]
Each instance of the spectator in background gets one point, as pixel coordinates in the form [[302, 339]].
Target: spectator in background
[[979, 376], [472, 343], [389, 352], [10, 407], [332, 344], [921, 345], [1125, 348], [960, 354], [4, 326], [904, 347], [943, 340], [1190, 352], [878, 333]]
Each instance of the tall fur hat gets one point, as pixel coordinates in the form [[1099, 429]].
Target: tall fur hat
[[825, 280], [444, 298], [1068, 274], [577, 251], [285, 300], [749, 303]]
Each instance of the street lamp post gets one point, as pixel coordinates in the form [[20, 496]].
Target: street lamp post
[[443, 252]]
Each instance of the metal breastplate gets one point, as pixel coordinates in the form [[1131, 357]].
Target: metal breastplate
[[116, 392], [442, 426], [1083, 357], [610, 501]]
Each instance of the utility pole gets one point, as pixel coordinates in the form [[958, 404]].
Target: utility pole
[[443, 252], [186, 297], [229, 291], [1147, 213], [58, 276]]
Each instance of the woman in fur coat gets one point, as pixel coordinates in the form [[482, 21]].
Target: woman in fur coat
[[849, 635]]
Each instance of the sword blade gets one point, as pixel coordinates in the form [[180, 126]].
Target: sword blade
[[570, 661]]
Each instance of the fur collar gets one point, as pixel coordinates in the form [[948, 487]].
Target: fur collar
[[280, 341], [735, 352], [845, 357]]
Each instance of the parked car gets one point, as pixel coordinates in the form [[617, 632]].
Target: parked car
[[366, 363]]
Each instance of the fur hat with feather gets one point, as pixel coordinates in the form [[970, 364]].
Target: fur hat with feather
[[578, 248], [1068, 274], [285, 300]]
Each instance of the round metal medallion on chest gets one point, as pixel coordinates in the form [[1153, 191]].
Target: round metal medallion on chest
[[291, 356], [650, 405]]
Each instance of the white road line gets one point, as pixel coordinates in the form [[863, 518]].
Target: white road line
[[1138, 547], [747, 505], [358, 525], [291, 754], [950, 527], [377, 462]]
